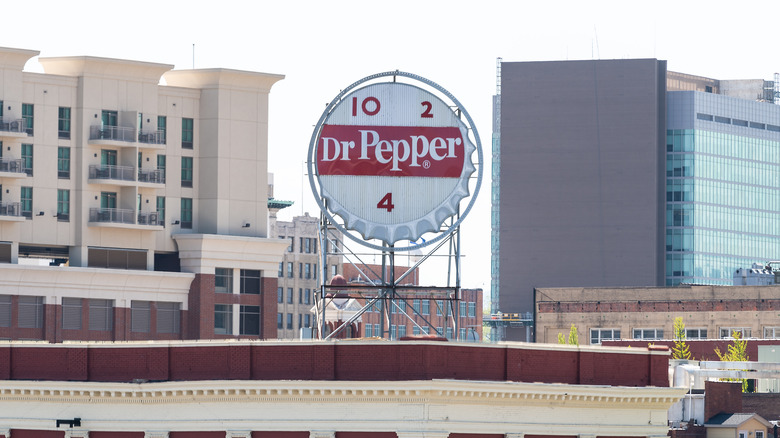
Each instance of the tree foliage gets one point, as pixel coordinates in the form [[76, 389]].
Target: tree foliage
[[735, 352], [680, 349], [573, 337]]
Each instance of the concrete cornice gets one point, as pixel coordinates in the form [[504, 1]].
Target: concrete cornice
[[15, 58], [222, 78], [201, 253], [427, 391], [104, 67]]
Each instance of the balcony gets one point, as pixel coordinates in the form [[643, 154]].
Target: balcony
[[156, 176], [101, 134], [124, 218], [11, 211], [110, 172], [12, 168], [13, 128], [152, 137]]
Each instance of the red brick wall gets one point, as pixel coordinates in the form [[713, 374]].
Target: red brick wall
[[93, 434], [703, 349], [201, 307], [722, 397], [366, 435], [18, 433], [268, 308], [766, 404], [330, 361], [281, 434]]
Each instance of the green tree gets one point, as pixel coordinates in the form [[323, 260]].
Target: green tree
[[680, 349], [573, 337], [736, 352]]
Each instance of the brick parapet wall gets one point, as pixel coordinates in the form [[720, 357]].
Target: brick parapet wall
[[331, 361], [766, 404], [756, 305], [268, 308], [701, 349]]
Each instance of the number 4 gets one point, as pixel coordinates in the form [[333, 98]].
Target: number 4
[[386, 203]]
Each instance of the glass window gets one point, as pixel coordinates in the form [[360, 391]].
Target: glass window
[[728, 332], [63, 125], [300, 270], [279, 294], [27, 115], [140, 316], [223, 280], [292, 243], [289, 270], [449, 333], [369, 330], [401, 331], [63, 205], [223, 319], [186, 171], [416, 305], [307, 242], [71, 313], [168, 317], [463, 309], [109, 118], [280, 320], [280, 274], [462, 334], [186, 213], [696, 333], [30, 312], [648, 334], [598, 335], [63, 162], [415, 330], [307, 297], [291, 297], [439, 307], [771, 332], [161, 210], [307, 320], [101, 315], [308, 270], [472, 309], [187, 133], [162, 127], [27, 159], [426, 307], [289, 321], [161, 162], [26, 201], [249, 320], [5, 306], [250, 281]]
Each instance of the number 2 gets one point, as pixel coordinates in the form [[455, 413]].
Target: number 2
[[386, 202], [427, 113]]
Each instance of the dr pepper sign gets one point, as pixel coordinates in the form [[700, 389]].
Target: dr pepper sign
[[392, 160]]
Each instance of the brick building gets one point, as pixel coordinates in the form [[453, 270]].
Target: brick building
[[372, 389], [130, 209]]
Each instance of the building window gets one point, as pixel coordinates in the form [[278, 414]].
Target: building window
[[426, 307], [223, 319], [369, 330], [101, 315], [71, 313], [187, 133], [415, 330], [289, 294], [223, 280], [161, 210], [696, 333], [27, 116], [161, 164], [26, 204], [439, 307], [186, 213], [771, 332], [5, 307], [393, 331], [290, 297], [140, 316], [401, 331], [308, 270], [168, 317], [416, 306], [300, 270], [449, 333], [292, 244], [280, 274], [250, 281], [728, 332], [463, 309], [63, 205], [30, 312], [279, 294], [308, 245], [289, 270], [280, 321], [186, 171], [289, 321], [462, 334], [27, 159], [307, 320], [300, 296], [334, 270], [598, 335], [307, 297], [472, 310], [63, 162], [63, 125], [162, 127], [759, 434], [648, 334], [314, 271], [109, 118], [249, 320]]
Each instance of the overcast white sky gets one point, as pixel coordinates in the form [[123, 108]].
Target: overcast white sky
[[323, 46]]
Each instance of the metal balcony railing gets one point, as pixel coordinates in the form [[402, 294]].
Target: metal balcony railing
[[118, 133], [103, 171], [152, 137], [17, 126], [149, 218], [112, 215], [156, 176], [11, 165], [10, 209]]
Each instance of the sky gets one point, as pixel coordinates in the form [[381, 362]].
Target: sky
[[323, 46]]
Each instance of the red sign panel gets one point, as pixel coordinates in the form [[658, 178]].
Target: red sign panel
[[390, 151]]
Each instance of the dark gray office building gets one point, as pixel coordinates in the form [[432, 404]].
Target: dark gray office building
[[582, 186]]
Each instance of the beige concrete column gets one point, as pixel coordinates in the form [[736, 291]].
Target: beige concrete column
[[422, 434], [238, 434], [514, 435], [76, 433], [156, 434], [322, 434]]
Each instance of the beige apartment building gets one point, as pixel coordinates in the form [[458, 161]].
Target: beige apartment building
[[299, 274], [145, 190], [648, 313]]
